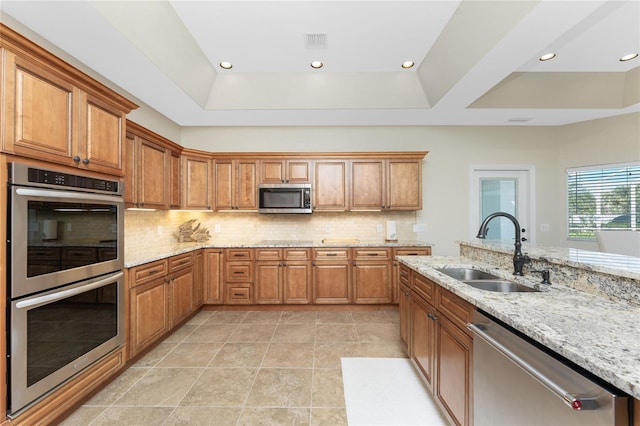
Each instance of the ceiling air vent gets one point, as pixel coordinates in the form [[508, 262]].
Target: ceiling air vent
[[315, 41], [519, 120]]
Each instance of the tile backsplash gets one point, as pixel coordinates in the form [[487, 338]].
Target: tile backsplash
[[160, 228]]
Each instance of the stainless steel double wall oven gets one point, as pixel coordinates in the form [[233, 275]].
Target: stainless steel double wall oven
[[64, 273]]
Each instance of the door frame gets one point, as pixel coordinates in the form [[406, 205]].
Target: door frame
[[529, 172]]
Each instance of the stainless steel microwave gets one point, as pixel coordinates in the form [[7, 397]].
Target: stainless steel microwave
[[284, 198]]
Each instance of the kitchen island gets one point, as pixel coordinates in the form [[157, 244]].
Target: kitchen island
[[589, 314]]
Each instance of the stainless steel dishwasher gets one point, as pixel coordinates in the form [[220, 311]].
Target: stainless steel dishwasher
[[517, 383]]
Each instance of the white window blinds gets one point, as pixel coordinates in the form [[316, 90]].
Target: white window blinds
[[604, 197]]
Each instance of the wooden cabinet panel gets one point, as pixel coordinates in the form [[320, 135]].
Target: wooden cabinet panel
[[454, 363], [102, 137], [213, 276], [424, 287], [268, 282], [330, 190], [153, 176], [182, 295], [423, 338], [404, 307], [174, 180], [149, 272], [285, 171], [224, 185], [405, 251], [239, 294], [404, 185], [197, 183], [199, 280], [296, 282], [372, 281], [457, 310], [236, 184], [367, 185], [149, 316], [332, 282]]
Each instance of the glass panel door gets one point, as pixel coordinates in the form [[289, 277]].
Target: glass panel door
[[499, 195]]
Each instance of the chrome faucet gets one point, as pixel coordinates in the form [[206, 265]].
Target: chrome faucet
[[518, 258]]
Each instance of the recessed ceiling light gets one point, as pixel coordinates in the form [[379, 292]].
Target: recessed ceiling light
[[407, 64], [547, 56], [226, 65], [316, 64], [629, 57]]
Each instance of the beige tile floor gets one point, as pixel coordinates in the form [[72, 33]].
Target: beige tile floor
[[246, 368]]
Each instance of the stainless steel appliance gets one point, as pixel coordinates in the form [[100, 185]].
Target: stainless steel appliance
[[284, 198], [516, 382], [65, 256]]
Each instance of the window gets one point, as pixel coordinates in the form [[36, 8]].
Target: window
[[604, 197]]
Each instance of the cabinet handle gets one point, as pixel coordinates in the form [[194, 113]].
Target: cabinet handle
[[332, 254], [372, 254], [238, 294], [313, 263], [432, 316], [353, 263], [238, 272]]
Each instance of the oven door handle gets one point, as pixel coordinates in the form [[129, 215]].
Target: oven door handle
[[63, 294], [44, 193]]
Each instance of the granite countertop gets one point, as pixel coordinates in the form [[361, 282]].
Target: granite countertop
[[600, 335], [162, 252]]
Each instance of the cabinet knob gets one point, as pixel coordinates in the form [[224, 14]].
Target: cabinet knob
[[85, 161], [76, 159]]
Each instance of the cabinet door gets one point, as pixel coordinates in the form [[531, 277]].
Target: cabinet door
[[298, 171], [246, 191], [330, 189], [174, 180], [372, 281], [296, 282], [154, 175], [224, 184], [130, 194], [423, 338], [182, 297], [101, 136], [453, 364], [404, 306], [148, 313], [397, 268], [196, 183], [367, 185], [39, 112], [332, 282], [268, 280], [272, 171], [404, 185], [212, 280], [198, 283]]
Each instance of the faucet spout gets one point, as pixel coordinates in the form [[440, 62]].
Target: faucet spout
[[519, 259]]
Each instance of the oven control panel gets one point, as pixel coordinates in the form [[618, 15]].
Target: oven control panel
[[26, 175]]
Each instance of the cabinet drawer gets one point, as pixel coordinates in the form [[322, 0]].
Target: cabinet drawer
[[456, 309], [331, 254], [422, 251], [239, 294], [238, 254], [148, 272], [424, 287], [268, 254], [239, 272], [405, 274], [371, 254], [180, 261], [297, 254]]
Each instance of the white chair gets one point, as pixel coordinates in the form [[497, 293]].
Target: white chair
[[619, 242]]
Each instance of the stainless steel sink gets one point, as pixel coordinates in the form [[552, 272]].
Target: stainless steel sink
[[465, 274], [485, 281], [500, 286]]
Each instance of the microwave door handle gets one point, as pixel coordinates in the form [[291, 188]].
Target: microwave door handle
[[41, 300], [43, 193]]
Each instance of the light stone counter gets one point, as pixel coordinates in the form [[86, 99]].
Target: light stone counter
[[600, 334], [150, 254]]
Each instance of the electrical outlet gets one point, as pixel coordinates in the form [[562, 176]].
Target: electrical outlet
[[379, 227], [216, 227], [545, 227], [69, 227], [327, 229]]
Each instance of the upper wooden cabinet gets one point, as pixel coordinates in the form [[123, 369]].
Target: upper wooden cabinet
[[386, 184], [236, 184], [55, 113], [330, 189], [285, 171], [197, 181], [150, 170]]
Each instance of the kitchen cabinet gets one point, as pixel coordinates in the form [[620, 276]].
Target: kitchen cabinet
[[152, 180], [236, 184], [404, 301], [439, 344], [396, 270], [238, 276], [285, 171], [332, 276], [197, 181], [372, 275], [213, 277], [198, 285], [53, 112], [161, 296], [386, 184], [330, 190], [283, 276]]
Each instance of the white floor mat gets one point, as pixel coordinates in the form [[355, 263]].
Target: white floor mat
[[386, 391]]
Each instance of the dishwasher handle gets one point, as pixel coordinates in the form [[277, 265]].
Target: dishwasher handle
[[570, 400]]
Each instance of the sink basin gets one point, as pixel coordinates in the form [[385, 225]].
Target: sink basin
[[465, 274], [500, 286]]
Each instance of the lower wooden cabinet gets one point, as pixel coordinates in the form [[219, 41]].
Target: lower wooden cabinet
[[283, 276], [162, 294], [332, 276], [212, 277], [439, 345], [372, 276]]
